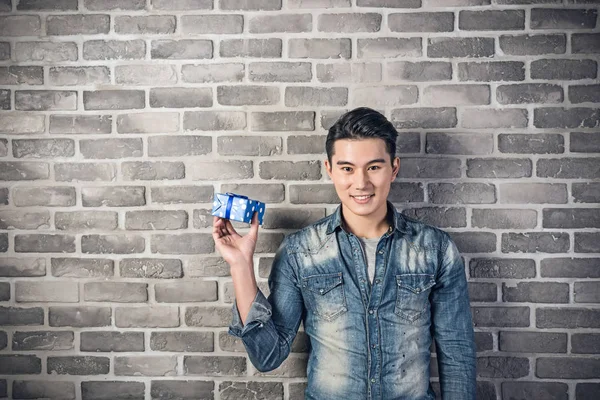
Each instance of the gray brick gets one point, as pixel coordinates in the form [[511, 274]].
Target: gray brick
[[424, 118], [567, 218], [555, 18], [15, 316], [231, 343], [586, 292], [503, 218], [494, 118], [86, 220], [112, 244], [299, 96], [280, 72], [4, 196], [413, 167], [529, 93], [539, 143], [587, 390], [389, 3], [180, 98], [220, 170], [318, 3], [462, 193], [313, 194], [473, 47], [78, 365], [173, 146], [541, 390], [421, 22], [107, 5], [46, 52], [188, 243], [113, 99], [283, 121], [319, 48], [349, 73], [585, 43], [62, 5], [72, 76], [587, 242], [533, 45], [570, 268], [192, 291], [535, 242], [475, 242], [113, 196], [249, 145], [4, 291], [288, 218], [505, 20], [184, 390], [117, 292], [248, 95], [310, 144], [442, 217], [214, 120], [83, 24], [502, 367], [491, 71], [17, 123], [181, 194], [568, 168], [291, 23], [214, 365], [79, 316], [264, 266], [349, 22], [584, 93], [82, 267], [155, 74], [382, 96], [569, 318], [149, 24], [212, 317], [582, 142], [3, 242], [148, 122], [181, 49], [250, 5], [147, 317], [506, 268], [587, 192], [501, 316], [266, 192], [80, 124], [297, 390], [269, 242], [567, 367], [5, 99], [406, 192], [182, 4], [18, 75], [43, 148], [111, 148], [44, 243], [389, 47], [498, 168], [20, 364], [231, 72], [58, 292], [147, 170], [212, 24], [482, 292], [564, 69], [255, 48], [3, 345], [583, 343], [45, 100], [519, 193], [459, 143], [24, 219], [536, 292], [108, 341], [112, 390], [42, 340], [236, 390], [5, 51], [146, 366], [157, 268], [422, 71], [202, 218], [290, 170], [26, 267], [114, 49], [182, 341], [156, 220], [43, 389], [20, 25]]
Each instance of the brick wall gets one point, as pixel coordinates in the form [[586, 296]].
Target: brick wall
[[120, 119]]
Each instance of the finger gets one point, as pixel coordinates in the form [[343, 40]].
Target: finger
[[254, 226], [230, 229]]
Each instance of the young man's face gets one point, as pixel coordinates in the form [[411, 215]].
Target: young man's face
[[362, 173]]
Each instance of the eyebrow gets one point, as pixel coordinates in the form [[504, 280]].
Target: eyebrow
[[378, 160]]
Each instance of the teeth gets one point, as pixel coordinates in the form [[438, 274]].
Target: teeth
[[361, 197]]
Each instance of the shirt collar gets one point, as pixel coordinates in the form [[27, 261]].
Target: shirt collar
[[398, 221]]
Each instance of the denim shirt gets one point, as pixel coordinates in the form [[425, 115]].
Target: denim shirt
[[368, 341]]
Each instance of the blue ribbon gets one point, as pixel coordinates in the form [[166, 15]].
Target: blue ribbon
[[230, 202]]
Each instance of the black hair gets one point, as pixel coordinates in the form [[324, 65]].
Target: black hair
[[362, 123]]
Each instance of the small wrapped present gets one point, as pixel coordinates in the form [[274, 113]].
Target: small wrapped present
[[237, 207]]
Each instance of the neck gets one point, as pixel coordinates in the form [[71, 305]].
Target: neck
[[373, 226]]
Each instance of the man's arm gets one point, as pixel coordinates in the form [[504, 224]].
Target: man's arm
[[452, 328], [270, 325]]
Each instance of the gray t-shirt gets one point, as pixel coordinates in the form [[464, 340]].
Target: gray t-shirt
[[369, 250]]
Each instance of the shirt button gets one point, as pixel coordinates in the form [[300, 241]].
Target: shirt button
[[371, 311], [321, 291], [381, 251], [373, 345], [373, 380], [377, 281], [418, 290]]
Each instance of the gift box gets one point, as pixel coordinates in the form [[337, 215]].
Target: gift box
[[237, 207]]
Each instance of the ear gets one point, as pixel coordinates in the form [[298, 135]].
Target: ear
[[395, 167], [328, 168]]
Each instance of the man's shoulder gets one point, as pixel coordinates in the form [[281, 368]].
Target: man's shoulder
[[311, 237], [424, 233]]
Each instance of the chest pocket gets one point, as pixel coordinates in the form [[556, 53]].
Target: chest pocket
[[412, 296], [324, 295]]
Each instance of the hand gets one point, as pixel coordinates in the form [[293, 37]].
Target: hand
[[235, 249]]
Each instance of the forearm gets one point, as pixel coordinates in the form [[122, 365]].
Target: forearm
[[245, 288]]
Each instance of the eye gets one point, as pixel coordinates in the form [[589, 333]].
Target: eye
[[346, 169], [374, 167]]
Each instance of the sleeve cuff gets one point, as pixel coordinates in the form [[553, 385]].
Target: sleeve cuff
[[259, 314]]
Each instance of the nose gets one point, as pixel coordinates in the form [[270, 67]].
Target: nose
[[361, 180]]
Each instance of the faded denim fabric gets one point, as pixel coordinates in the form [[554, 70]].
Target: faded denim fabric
[[367, 341]]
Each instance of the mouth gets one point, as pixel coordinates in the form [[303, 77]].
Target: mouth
[[362, 198]]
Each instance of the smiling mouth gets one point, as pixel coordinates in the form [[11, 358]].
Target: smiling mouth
[[364, 197]]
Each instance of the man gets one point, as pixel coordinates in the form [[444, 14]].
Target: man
[[373, 287]]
